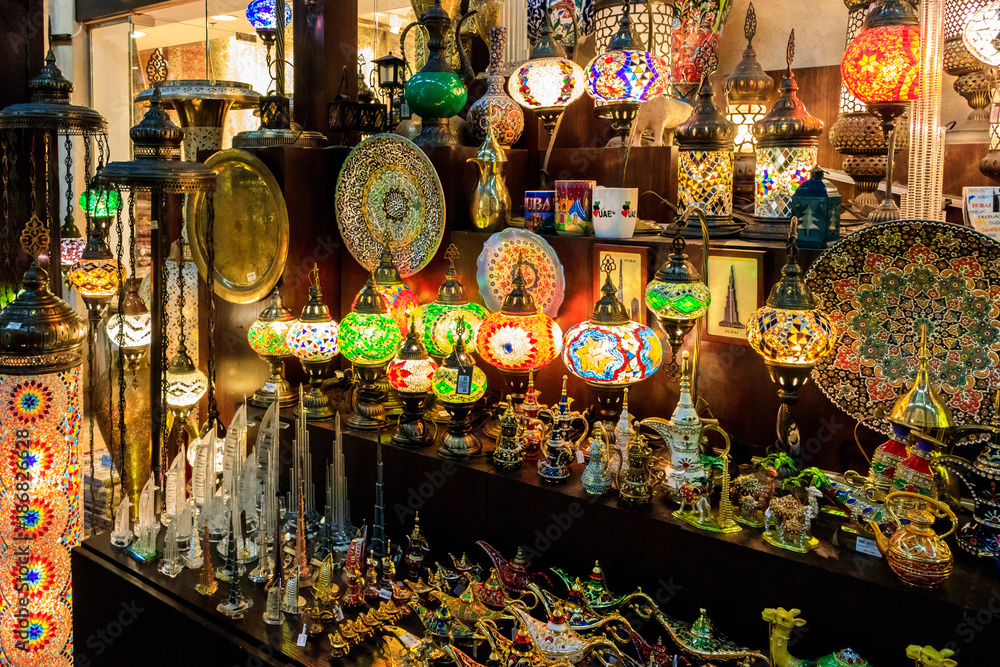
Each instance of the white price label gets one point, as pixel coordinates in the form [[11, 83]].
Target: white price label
[[303, 637], [385, 594], [866, 546], [579, 456], [252, 276], [13, 325], [338, 613], [153, 224], [410, 640], [269, 387]]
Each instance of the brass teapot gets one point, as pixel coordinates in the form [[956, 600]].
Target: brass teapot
[[643, 474], [918, 555], [557, 447]]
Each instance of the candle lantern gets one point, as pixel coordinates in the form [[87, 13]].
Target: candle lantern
[[816, 205], [609, 351], [787, 144], [705, 159], [748, 89], [458, 384], [268, 337]]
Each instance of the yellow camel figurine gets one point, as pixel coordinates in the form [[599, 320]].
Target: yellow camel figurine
[[926, 656]]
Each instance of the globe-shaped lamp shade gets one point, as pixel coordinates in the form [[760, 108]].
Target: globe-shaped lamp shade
[[627, 76], [71, 250], [519, 342], [791, 337], [310, 341], [184, 390], [401, 301], [101, 203], [369, 339], [263, 14], [411, 376], [138, 330], [547, 83], [446, 385], [270, 339], [882, 64], [436, 324], [678, 300], [980, 34], [96, 278], [611, 354]]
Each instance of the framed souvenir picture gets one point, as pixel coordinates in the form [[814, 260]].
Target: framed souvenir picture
[[736, 280], [629, 276]]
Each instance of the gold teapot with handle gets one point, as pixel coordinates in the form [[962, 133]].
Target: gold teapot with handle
[[918, 555], [643, 474], [557, 447]]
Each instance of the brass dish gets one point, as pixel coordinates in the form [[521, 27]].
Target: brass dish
[[251, 228]]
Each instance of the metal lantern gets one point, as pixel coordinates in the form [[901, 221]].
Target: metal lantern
[[816, 206], [980, 39], [41, 354], [787, 145], [653, 21], [609, 351], [268, 337], [391, 72], [748, 89], [313, 338], [410, 374], [973, 81], [705, 159], [35, 128], [369, 337], [458, 384], [791, 333]]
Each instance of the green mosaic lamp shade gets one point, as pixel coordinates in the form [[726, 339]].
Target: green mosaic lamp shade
[[678, 301], [436, 324], [369, 339], [101, 203], [446, 385]]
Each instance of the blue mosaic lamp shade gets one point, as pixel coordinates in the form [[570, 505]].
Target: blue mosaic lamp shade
[[262, 14]]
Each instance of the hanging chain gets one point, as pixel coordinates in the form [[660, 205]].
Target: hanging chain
[[213, 407], [8, 263], [87, 164], [31, 175], [68, 144], [132, 255], [164, 320], [182, 337], [90, 428], [46, 205], [121, 358]]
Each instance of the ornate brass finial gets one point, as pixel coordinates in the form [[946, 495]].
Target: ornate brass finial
[[750, 25], [706, 61], [790, 52], [156, 68], [451, 254], [35, 237], [608, 265], [460, 327]]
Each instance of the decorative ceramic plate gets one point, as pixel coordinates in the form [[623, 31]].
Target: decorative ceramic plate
[[388, 188], [251, 227], [879, 285], [542, 270]]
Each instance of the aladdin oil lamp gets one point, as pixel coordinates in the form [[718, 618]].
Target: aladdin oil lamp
[[411, 373], [369, 338], [313, 339], [609, 351], [791, 333], [458, 384], [268, 337]]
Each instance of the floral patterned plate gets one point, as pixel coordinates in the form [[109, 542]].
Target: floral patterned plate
[[879, 285], [388, 188], [542, 270]]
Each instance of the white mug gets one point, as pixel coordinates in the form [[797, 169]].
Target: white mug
[[615, 212]]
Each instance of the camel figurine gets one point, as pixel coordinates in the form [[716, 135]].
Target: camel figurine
[[782, 622], [695, 496], [788, 523], [751, 495], [927, 656]]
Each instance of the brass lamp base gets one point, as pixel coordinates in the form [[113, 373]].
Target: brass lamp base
[[609, 403], [767, 229], [549, 117], [369, 412], [459, 442], [412, 431], [789, 379], [315, 405], [282, 390], [622, 116], [718, 226], [435, 132]]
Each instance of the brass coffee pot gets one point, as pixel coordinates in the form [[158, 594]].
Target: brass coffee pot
[[918, 555], [643, 474], [491, 204]]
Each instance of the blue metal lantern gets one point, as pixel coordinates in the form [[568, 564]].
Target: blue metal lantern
[[816, 203]]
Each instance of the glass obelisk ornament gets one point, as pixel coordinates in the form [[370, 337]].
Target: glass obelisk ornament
[[973, 81], [881, 67], [157, 170], [609, 351], [313, 339], [34, 129], [411, 373], [369, 337], [748, 89], [705, 156], [792, 334], [268, 337], [980, 37], [787, 145], [41, 354], [458, 384]]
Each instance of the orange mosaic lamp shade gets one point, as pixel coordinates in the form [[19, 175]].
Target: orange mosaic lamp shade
[[882, 64], [96, 278], [514, 342]]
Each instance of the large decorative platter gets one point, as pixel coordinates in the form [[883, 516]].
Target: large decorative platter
[[879, 285], [251, 227], [542, 271], [388, 189]]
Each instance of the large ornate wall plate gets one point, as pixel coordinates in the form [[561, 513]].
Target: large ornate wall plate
[[879, 285], [543, 272], [388, 188], [251, 228]]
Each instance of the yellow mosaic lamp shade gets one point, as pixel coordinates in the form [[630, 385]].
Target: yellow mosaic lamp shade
[[96, 278], [458, 379]]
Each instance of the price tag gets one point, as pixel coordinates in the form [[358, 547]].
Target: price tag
[[153, 224], [13, 325], [385, 594], [579, 456], [269, 387], [106, 460], [404, 111], [410, 640], [252, 276], [463, 384], [338, 613], [303, 637], [866, 546]]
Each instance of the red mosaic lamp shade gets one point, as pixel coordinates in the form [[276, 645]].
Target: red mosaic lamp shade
[[882, 64]]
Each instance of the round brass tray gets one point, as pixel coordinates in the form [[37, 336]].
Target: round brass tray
[[251, 227]]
